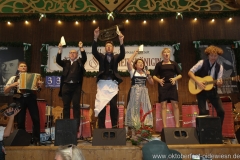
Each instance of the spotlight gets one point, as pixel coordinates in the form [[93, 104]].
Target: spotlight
[[94, 21], [144, 21], [76, 22], [195, 19], [127, 21]]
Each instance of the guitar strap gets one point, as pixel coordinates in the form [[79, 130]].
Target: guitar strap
[[210, 69]]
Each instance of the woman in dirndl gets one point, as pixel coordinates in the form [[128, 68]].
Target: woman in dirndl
[[139, 101]]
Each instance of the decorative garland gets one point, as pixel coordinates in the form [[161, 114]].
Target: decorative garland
[[27, 51], [232, 43], [130, 16], [44, 51]]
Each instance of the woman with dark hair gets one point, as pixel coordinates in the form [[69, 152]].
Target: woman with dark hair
[[139, 98]]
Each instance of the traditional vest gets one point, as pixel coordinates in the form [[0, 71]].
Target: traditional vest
[[108, 70], [73, 73], [206, 68]]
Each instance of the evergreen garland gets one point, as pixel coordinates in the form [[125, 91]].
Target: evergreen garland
[[130, 16]]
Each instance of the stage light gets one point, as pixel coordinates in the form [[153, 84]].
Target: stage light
[[161, 19], [8, 22], [26, 22], [230, 19], [195, 19], [213, 20], [127, 21], [94, 21], [144, 21], [76, 22], [59, 21]]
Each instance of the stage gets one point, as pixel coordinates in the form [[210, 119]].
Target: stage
[[128, 152]]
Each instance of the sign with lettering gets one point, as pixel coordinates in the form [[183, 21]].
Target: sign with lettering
[[52, 81]]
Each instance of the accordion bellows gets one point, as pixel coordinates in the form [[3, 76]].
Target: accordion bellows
[[29, 81]]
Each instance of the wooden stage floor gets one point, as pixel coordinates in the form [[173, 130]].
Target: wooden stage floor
[[128, 152]]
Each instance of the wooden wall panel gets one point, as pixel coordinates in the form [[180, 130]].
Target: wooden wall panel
[[170, 29]]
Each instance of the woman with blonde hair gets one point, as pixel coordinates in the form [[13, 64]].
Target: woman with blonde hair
[[166, 73]]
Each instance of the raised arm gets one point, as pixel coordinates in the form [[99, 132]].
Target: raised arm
[[94, 44], [129, 62], [9, 127], [84, 55], [59, 56]]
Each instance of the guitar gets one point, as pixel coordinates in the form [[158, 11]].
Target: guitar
[[208, 81]]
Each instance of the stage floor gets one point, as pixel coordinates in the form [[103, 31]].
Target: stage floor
[[128, 152]]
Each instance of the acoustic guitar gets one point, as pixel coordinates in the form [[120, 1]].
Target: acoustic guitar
[[208, 81]]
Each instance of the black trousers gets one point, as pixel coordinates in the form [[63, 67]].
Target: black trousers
[[113, 114], [30, 103], [214, 99], [71, 92]]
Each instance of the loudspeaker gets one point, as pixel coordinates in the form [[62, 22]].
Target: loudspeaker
[[65, 132], [237, 133], [179, 135], [19, 137], [209, 130], [109, 137]]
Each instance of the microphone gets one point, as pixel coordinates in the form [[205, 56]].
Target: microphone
[[146, 68]]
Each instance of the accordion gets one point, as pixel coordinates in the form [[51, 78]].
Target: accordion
[[29, 81]]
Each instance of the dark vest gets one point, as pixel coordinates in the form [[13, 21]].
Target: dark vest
[[73, 73], [108, 70], [204, 71]]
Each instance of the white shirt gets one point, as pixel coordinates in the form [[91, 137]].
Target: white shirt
[[136, 74], [198, 66], [1, 132]]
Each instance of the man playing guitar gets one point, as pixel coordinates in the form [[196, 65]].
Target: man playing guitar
[[209, 67]]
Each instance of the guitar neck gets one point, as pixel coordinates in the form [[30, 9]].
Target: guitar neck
[[215, 81]]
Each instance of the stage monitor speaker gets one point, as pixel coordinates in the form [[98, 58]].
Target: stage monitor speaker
[[209, 130], [179, 135], [109, 137], [65, 132], [19, 137], [237, 133]]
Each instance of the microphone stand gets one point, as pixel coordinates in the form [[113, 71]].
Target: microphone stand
[[81, 117], [49, 119]]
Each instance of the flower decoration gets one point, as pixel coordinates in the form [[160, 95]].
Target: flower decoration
[[141, 132], [144, 133]]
